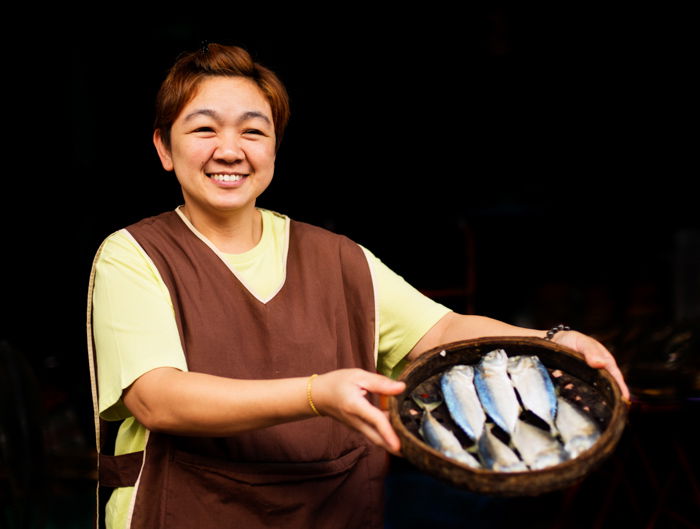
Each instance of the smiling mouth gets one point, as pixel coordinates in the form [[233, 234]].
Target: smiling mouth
[[223, 177]]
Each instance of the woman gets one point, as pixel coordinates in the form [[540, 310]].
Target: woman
[[222, 332]]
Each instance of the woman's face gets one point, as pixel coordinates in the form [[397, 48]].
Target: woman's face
[[222, 146]]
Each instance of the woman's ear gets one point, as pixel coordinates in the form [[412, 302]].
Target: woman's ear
[[163, 152]]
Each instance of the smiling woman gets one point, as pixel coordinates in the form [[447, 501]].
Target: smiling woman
[[222, 149], [208, 325]]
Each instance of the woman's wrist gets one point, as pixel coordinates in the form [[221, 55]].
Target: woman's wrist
[[309, 395], [554, 330]]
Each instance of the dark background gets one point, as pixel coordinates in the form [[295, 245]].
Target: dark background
[[532, 165]]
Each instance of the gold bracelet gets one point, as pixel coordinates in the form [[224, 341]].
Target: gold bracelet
[[308, 394]]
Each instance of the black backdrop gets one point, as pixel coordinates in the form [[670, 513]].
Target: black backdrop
[[559, 138]]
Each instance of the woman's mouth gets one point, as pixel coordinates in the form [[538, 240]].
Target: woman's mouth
[[223, 177]]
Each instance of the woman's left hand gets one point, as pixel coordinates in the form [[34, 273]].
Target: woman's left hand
[[595, 353]]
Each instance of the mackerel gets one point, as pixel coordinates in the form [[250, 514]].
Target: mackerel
[[496, 391], [578, 431], [444, 441], [459, 392], [538, 447], [496, 455], [534, 385]]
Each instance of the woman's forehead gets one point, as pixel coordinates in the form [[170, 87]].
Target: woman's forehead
[[226, 95]]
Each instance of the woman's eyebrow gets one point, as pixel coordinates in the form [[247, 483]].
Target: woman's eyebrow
[[250, 114], [203, 112]]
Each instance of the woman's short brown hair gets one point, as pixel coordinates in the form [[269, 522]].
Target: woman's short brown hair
[[180, 85]]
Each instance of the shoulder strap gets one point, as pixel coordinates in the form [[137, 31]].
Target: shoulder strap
[[112, 471]]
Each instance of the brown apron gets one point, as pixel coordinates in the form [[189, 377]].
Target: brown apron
[[314, 473]]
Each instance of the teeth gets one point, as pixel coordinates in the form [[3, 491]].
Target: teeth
[[226, 177]]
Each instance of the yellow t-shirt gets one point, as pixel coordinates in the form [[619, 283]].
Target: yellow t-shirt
[[135, 329]]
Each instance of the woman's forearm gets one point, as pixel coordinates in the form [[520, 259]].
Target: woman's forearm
[[173, 401], [462, 327], [184, 403], [454, 327]]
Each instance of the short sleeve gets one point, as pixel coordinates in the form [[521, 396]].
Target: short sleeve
[[405, 316], [134, 324]]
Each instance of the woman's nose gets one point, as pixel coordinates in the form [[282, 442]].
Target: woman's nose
[[229, 150]]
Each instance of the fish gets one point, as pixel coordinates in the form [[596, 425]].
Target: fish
[[537, 447], [534, 386], [495, 390], [496, 455], [578, 431], [444, 441], [461, 399]]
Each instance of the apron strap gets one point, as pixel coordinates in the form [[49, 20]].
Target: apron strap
[[112, 471], [93, 383], [91, 354]]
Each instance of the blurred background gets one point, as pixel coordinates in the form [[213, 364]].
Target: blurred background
[[529, 164]]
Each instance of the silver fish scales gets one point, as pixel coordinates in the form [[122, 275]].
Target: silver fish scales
[[534, 386], [444, 441], [496, 391], [538, 448], [578, 431], [496, 455], [459, 392]]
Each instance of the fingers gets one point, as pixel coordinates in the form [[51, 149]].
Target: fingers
[[341, 394], [375, 418], [617, 375], [373, 423], [596, 356], [382, 385], [607, 361], [599, 357]]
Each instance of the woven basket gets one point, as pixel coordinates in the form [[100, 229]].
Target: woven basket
[[597, 386]]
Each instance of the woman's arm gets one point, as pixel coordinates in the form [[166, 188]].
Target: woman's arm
[[454, 327], [185, 403]]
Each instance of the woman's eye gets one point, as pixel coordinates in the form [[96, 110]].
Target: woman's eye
[[204, 129], [253, 131]]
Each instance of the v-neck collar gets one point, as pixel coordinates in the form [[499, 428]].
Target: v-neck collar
[[222, 255]]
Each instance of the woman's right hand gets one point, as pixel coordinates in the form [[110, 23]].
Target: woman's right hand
[[341, 394]]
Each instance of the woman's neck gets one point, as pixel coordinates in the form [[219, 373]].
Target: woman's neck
[[230, 233]]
